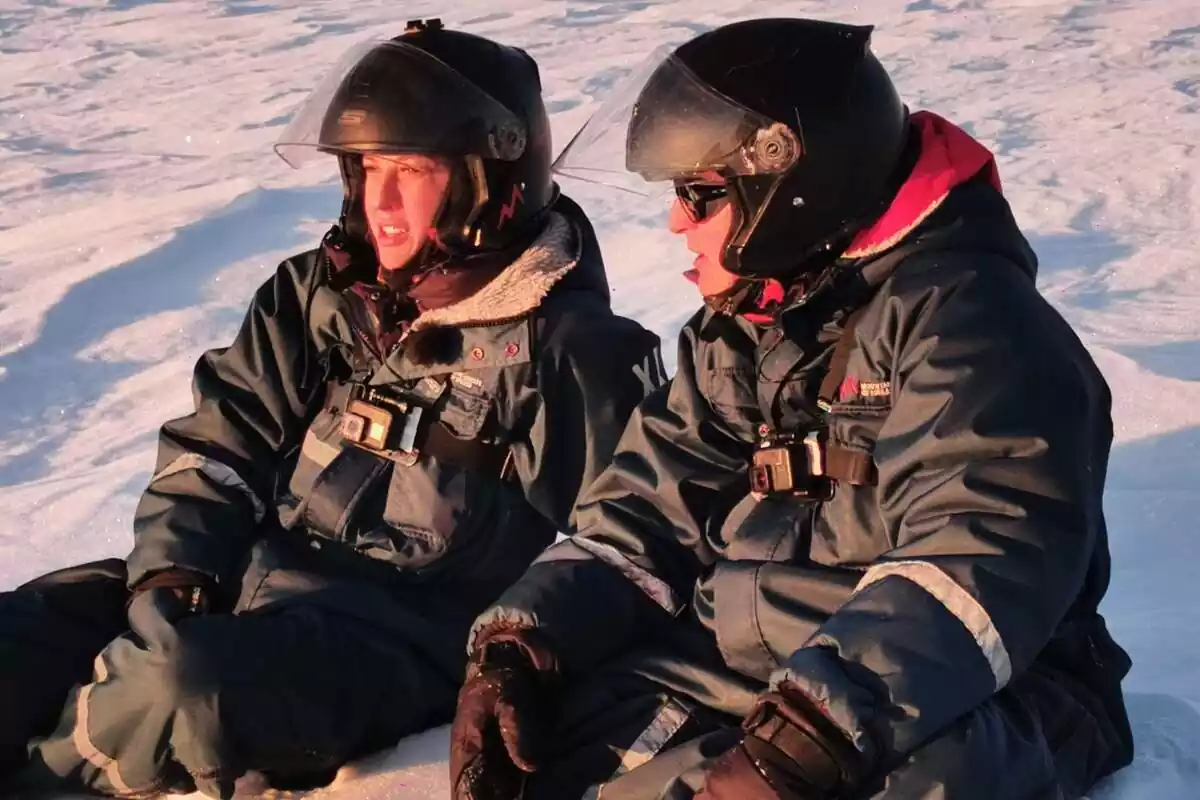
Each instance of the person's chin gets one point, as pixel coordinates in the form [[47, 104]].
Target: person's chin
[[712, 285], [394, 258]]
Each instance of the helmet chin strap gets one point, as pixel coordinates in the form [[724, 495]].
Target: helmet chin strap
[[353, 220], [357, 262]]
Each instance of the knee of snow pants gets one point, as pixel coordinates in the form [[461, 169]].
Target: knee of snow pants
[[299, 682], [1037, 739], [50, 632], [628, 729], [628, 738]]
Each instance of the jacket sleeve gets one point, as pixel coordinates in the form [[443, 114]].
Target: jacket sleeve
[[216, 467], [991, 468], [642, 525], [592, 371]]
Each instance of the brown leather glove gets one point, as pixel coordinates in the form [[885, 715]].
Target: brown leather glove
[[733, 776], [791, 751], [501, 723]]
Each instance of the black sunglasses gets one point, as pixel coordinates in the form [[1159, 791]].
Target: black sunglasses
[[699, 198]]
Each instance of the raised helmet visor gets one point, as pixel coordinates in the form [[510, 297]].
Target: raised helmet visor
[[347, 113], [708, 133]]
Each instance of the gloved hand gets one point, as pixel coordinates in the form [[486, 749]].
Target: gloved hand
[[791, 751], [501, 723], [167, 597]]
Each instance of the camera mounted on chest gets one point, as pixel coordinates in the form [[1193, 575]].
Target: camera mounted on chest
[[806, 464]]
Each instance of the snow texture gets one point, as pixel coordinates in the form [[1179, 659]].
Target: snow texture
[[140, 205]]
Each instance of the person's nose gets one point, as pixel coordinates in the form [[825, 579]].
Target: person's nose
[[390, 197], [678, 220]]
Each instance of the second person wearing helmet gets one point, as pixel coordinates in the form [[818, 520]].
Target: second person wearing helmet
[[404, 421], [856, 548]]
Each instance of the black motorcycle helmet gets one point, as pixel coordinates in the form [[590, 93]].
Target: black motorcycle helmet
[[800, 120], [446, 93]]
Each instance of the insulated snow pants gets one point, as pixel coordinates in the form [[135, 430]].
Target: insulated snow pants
[[50, 631], [643, 728], [322, 660]]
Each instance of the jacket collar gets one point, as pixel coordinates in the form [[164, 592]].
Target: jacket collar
[[520, 287]]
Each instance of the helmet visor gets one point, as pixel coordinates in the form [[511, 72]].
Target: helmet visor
[[663, 123], [390, 97]]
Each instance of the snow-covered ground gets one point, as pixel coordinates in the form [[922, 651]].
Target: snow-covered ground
[[140, 204]]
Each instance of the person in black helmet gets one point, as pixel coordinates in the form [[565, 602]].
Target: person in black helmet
[[856, 548], [404, 422]]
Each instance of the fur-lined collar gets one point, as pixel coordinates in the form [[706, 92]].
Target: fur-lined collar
[[522, 285]]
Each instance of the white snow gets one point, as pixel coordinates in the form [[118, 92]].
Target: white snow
[[140, 204]]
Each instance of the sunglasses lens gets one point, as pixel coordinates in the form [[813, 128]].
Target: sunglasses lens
[[698, 197]]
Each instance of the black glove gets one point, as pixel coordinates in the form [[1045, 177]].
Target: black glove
[[791, 751], [501, 725], [167, 597]]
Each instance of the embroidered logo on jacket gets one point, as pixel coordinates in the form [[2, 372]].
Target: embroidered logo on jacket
[[875, 388], [853, 388], [464, 381]]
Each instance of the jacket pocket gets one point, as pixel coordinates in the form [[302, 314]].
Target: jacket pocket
[[731, 592], [465, 405], [848, 528], [759, 535], [731, 393], [425, 505], [321, 444], [856, 426], [434, 507], [762, 612]]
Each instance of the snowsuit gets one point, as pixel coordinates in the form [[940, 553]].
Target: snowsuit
[[352, 574], [941, 606]]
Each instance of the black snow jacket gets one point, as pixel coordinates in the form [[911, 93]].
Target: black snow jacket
[[976, 546], [527, 401]]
